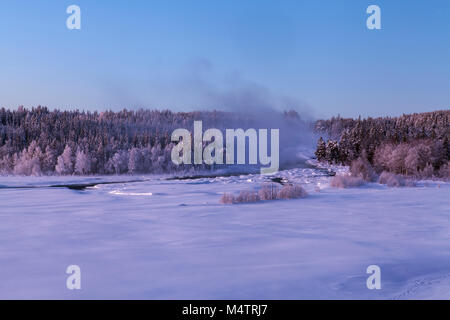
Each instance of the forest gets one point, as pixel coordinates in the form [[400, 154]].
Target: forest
[[38, 141], [44, 142], [414, 145]]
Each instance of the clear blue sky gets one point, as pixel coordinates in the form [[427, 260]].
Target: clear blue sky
[[184, 55]]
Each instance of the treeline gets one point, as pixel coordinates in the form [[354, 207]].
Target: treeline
[[40, 141], [44, 142], [415, 144]]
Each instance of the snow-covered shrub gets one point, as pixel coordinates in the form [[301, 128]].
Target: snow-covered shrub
[[227, 198], [390, 179], [427, 172], [363, 169], [291, 192], [346, 181], [244, 196], [394, 180], [268, 191], [247, 196]]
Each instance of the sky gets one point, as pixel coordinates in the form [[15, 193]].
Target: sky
[[317, 57]]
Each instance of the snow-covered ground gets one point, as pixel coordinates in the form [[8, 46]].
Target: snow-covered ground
[[171, 239]]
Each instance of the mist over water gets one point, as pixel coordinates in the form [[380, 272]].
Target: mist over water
[[249, 104], [242, 103], [297, 140], [255, 106]]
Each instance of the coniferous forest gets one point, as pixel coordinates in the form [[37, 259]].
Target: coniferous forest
[[38, 141], [44, 142], [414, 145]]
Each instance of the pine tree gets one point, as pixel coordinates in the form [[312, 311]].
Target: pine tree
[[332, 151], [321, 150]]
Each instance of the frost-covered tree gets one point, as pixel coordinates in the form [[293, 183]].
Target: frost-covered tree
[[135, 161], [119, 162], [64, 163], [82, 163], [417, 158], [29, 161], [49, 160], [60, 167], [103, 135]]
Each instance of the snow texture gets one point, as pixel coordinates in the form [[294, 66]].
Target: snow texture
[[173, 239]]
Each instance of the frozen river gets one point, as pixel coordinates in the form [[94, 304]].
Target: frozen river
[[172, 239]]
